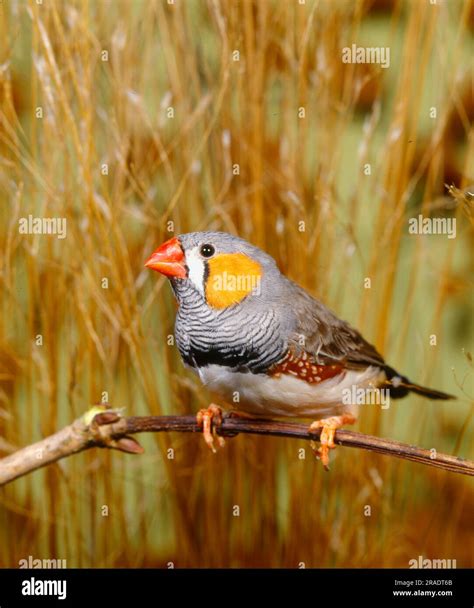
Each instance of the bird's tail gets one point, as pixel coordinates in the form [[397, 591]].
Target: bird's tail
[[400, 386]]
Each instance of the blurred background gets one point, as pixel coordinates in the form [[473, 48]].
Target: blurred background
[[136, 120]]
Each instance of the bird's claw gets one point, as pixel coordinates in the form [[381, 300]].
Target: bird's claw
[[328, 428], [210, 418]]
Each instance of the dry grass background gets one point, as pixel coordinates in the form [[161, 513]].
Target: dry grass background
[[180, 169]]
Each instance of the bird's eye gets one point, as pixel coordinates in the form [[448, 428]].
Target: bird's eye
[[207, 251]]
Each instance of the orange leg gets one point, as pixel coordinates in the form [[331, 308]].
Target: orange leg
[[209, 418], [329, 427]]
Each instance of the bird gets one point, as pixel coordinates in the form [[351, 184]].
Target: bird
[[264, 344]]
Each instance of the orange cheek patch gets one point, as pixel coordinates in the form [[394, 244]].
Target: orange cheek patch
[[232, 276]]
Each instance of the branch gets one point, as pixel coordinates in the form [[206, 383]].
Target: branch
[[109, 429]]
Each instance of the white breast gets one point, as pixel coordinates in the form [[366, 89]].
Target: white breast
[[286, 395]]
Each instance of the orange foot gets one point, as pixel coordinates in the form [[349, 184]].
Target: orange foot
[[210, 418], [329, 427]]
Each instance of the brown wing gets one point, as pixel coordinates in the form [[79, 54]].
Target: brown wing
[[331, 344], [326, 338]]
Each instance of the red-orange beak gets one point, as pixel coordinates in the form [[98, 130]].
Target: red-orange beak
[[168, 259]]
